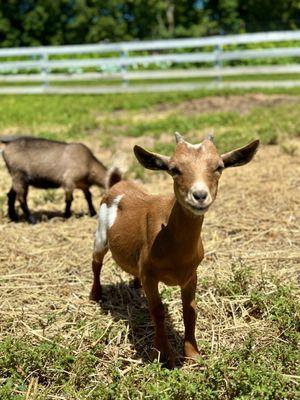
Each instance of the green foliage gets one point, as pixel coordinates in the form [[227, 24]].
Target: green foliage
[[249, 371], [47, 22], [50, 196], [267, 15], [239, 284], [164, 148], [280, 307], [136, 171], [289, 148], [99, 117], [256, 368]]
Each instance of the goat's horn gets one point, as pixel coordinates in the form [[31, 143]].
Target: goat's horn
[[210, 137], [178, 137]]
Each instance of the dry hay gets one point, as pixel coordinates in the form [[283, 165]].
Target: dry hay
[[46, 269]]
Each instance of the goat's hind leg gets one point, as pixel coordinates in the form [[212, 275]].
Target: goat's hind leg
[[11, 199], [97, 263], [100, 249], [20, 190], [88, 197]]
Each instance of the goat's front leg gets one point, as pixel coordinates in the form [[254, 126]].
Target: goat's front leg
[[189, 316], [11, 196], [161, 343], [69, 200]]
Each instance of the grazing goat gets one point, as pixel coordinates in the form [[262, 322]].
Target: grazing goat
[[51, 164], [157, 238]]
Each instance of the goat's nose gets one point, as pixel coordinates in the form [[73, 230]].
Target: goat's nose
[[200, 195]]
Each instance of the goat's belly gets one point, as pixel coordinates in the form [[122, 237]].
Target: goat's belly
[[127, 265], [171, 279], [126, 258], [125, 248], [174, 273], [43, 183]]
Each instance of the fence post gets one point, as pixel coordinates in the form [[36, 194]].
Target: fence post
[[44, 69], [124, 54], [218, 62]]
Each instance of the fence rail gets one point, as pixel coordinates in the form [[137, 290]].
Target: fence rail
[[124, 61]]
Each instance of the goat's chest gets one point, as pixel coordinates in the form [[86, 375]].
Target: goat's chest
[[177, 269], [175, 251]]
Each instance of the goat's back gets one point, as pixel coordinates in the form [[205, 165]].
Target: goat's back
[[46, 163]]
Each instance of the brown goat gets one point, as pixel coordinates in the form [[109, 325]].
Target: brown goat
[[47, 164], [157, 238]]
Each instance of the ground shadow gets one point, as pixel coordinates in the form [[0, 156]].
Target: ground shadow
[[124, 302], [46, 215]]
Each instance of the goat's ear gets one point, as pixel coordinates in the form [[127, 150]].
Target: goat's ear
[[241, 155], [151, 160]]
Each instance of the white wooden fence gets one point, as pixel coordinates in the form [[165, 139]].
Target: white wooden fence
[[145, 60]]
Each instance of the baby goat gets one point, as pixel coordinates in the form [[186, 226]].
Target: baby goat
[[157, 238], [51, 164]]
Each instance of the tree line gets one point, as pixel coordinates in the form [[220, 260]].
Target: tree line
[[56, 22]]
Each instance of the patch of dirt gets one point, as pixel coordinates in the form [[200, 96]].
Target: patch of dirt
[[210, 104], [126, 144], [243, 103], [144, 115], [46, 268]]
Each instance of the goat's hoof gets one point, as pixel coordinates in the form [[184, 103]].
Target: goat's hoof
[[95, 295], [31, 220], [192, 360], [170, 363], [191, 352], [166, 358], [137, 283], [14, 218]]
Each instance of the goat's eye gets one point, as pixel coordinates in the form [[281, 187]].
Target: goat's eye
[[174, 171], [219, 169]]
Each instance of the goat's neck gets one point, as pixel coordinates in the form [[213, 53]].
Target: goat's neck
[[183, 226]]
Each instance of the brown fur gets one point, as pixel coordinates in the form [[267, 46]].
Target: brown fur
[[157, 238], [51, 164]]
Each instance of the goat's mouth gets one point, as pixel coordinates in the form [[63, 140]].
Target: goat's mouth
[[197, 208]]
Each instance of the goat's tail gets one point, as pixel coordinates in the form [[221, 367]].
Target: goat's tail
[[114, 176], [5, 140], [9, 139]]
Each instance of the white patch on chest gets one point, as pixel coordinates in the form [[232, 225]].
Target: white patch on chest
[[106, 219]]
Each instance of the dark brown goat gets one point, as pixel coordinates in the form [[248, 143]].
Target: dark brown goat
[[47, 164]]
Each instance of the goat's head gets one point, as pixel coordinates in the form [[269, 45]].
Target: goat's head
[[196, 169]]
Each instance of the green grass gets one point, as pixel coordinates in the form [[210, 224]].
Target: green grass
[[252, 370], [98, 117], [118, 81]]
